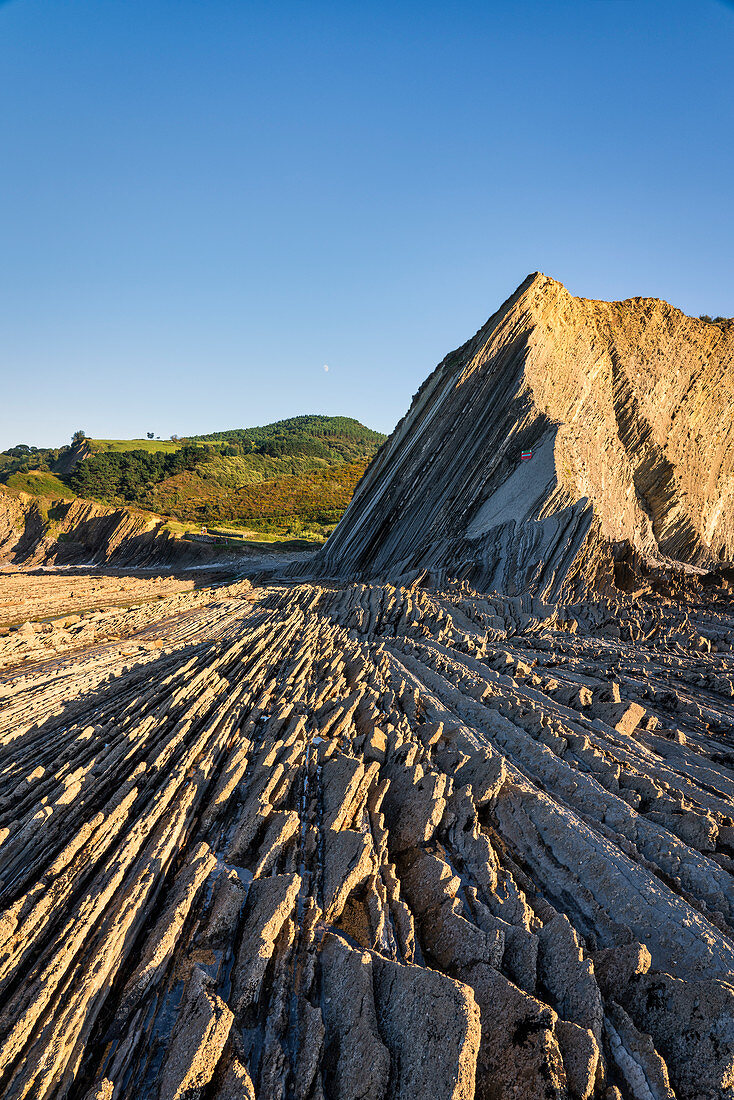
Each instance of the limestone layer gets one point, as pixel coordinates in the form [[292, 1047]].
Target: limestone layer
[[628, 410], [366, 842]]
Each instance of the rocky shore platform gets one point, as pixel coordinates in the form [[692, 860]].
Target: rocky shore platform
[[314, 840]]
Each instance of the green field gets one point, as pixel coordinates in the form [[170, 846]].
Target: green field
[[119, 446], [307, 538]]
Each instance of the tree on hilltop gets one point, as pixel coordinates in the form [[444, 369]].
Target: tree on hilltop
[[78, 437]]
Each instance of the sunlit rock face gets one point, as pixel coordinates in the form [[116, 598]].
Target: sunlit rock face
[[627, 410]]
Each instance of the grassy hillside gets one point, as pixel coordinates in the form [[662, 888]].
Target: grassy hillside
[[118, 446], [39, 484], [309, 503], [293, 478]]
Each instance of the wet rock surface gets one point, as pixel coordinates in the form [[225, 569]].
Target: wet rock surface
[[365, 841]]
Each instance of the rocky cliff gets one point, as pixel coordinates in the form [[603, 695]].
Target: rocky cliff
[[627, 410], [34, 531]]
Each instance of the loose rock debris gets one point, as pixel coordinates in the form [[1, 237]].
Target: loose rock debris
[[373, 842]]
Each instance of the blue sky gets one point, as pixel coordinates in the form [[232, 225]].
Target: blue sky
[[202, 204]]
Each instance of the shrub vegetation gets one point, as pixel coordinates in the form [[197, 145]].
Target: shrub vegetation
[[292, 477]]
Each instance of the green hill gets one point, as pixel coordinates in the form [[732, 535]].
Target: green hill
[[323, 435], [291, 478], [39, 483]]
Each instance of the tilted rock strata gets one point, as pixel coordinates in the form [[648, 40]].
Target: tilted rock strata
[[627, 410], [45, 614], [82, 532], [366, 842]]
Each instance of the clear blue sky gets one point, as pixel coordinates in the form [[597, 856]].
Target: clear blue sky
[[203, 202]]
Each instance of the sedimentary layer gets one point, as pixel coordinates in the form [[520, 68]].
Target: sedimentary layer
[[82, 531], [370, 842], [626, 409]]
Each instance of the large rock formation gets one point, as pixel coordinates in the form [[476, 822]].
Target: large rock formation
[[627, 409]]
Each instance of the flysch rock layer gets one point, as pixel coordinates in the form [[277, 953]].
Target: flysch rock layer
[[82, 532], [628, 410], [338, 841]]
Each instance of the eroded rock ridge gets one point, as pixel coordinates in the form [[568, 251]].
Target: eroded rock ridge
[[371, 842], [628, 411]]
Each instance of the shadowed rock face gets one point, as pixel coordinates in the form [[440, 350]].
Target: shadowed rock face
[[82, 532], [627, 408]]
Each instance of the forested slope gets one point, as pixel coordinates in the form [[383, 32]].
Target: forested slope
[[285, 478]]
